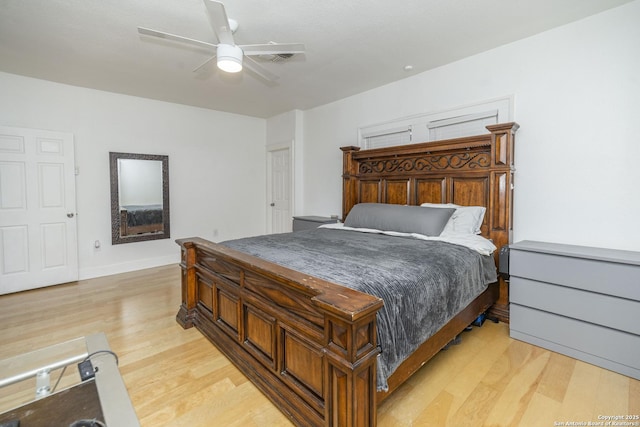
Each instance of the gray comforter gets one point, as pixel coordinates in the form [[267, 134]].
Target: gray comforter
[[423, 284]]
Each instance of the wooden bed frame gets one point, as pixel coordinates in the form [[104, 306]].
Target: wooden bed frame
[[311, 345]]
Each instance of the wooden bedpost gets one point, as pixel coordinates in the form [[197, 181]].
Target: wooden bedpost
[[501, 202], [351, 353], [187, 264], [350, 170]]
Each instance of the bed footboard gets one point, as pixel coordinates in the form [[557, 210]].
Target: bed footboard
[[308, 344]]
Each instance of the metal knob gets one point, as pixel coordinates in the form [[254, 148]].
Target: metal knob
[[272, 204], [70, 215]]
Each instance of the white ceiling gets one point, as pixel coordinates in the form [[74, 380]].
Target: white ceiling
[[351, 45]]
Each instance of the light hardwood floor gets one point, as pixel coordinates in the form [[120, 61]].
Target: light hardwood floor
[[176, 377]]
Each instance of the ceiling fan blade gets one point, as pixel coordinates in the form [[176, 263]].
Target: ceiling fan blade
[[219, 21], [272, 48], [204, 63], [259, 69], [168, 36]]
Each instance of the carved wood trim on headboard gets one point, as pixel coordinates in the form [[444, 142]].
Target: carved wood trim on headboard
[[470, 171]]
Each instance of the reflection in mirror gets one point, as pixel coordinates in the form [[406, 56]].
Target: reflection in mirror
[[139, 197]]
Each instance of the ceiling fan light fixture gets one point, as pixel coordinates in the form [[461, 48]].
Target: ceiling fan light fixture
[[229, 58], [233, 25]]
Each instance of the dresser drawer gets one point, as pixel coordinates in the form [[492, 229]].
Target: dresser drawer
[[612, 349], [600, 309], [612, 278]]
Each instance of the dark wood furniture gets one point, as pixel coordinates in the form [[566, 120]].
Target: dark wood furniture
[[310, 345]]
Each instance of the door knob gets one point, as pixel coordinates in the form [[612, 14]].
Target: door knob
[[272, 204], [70, 215]]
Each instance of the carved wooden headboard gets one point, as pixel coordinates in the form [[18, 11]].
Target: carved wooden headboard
[[470, 171]]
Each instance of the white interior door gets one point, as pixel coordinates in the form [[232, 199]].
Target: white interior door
[[279, 189], [38, 235]]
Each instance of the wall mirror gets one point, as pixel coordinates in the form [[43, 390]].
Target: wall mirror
[[139, 197]]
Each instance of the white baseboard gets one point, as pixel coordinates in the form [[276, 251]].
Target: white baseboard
[[139, 264]]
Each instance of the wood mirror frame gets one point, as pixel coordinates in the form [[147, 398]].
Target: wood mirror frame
[[119, 228]]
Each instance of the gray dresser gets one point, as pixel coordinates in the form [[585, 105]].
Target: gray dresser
[[307, 222], [579, 301]]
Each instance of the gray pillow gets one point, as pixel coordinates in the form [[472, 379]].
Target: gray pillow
[[400, 218]]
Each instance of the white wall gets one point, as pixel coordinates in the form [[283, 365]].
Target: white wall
[[213, 157], [577, 99], [288, 128]]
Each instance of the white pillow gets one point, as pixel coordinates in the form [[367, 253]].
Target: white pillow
[[465, 220]]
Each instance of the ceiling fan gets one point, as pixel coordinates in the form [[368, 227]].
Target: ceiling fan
[[230, 56]]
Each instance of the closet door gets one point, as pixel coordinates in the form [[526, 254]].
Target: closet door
[[38, 235], [279, 188]]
